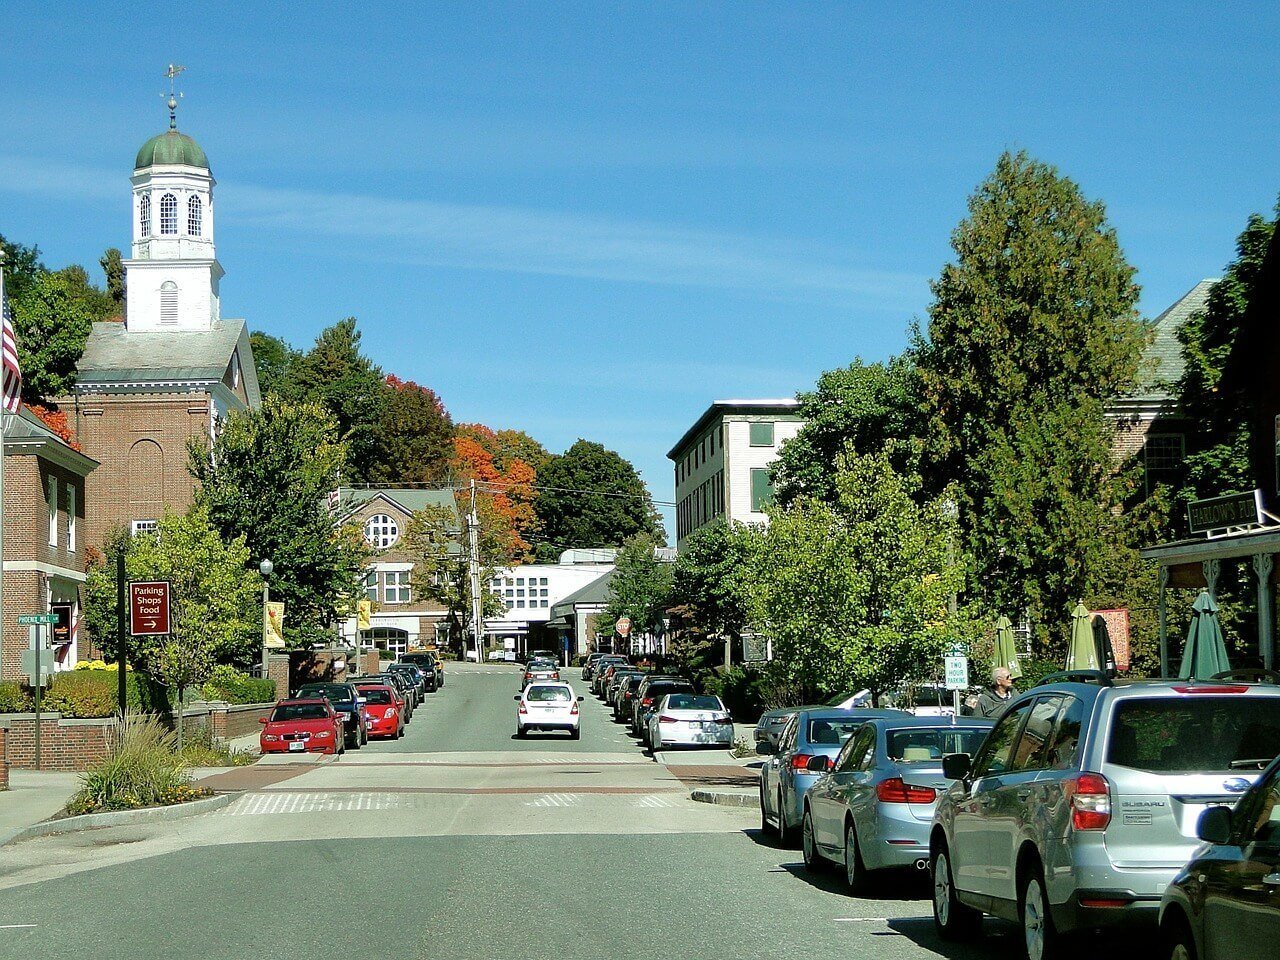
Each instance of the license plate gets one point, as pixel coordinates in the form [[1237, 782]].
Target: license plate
[[298, 746]]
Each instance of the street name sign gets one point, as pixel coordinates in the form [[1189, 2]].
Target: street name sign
[[1225, 513], [956, 669], [148, 608], [37, 619]]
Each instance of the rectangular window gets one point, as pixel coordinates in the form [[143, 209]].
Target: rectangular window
[[761, 434], [543, 591], [1163, 455], [712, 438], [371, 585], [520, 593], [761, 489], [542, 603], [71, 517], [51, 493], [519, 603], [520, 581], [397, 587], [542, 581], [144, 526]]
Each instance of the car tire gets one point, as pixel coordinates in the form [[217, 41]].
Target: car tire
[[814, 861], [953, 920], [856, 874], [521, 732], [786, 833], [364, 736], [1040, 938], [575, 734], [1179, 942]]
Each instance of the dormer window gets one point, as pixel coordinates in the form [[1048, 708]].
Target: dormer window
[[144, 214], [195, 215], [168, 215]]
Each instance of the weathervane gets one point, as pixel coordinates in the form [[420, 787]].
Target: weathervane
[[174, 97]]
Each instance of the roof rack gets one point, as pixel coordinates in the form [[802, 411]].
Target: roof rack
[[1100, 677], [1248, 675]]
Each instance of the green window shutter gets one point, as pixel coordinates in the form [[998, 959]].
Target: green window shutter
[[761, 489], [761, 434]]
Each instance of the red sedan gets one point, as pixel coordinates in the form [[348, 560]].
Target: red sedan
[[302, 726], [383, 710]]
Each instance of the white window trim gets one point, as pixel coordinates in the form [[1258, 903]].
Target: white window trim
[[143, 526], [71, 518], [51, 493]]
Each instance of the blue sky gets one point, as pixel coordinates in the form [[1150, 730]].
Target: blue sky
[[593, 219]]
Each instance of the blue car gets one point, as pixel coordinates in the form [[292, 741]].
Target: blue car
[[786, 775]]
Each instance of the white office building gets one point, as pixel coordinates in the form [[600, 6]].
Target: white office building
[[722, 462], [530, 591]]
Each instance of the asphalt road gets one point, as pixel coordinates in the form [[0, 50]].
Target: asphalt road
[[459, 842]]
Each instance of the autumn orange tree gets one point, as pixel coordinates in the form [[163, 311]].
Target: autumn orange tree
[[499, 463]]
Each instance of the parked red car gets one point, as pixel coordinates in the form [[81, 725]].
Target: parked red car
[[302, 726], [383, 710]]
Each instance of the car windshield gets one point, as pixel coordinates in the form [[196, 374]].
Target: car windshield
[[299, 711], [829, 731], [1202, 734], [917, 745], [684, 701], [330, 691], [660, 690], [376, 695], [548, 694]]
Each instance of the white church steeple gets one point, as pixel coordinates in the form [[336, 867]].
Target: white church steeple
[[171, 281]]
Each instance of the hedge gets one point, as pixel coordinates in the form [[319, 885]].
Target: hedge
[[92, 693], [231, 686], [14, 698]]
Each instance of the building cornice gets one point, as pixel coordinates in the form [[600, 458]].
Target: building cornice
[[39, 566]]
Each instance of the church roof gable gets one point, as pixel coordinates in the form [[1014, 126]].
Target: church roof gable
[[116, 354]]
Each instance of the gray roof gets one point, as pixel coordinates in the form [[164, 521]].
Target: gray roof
[[115, 354], [1162, 361], [408, 499], [26, 432], [597, 591], [786, 407]]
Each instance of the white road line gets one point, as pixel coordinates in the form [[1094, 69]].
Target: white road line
[[17, 926], [862, 919]]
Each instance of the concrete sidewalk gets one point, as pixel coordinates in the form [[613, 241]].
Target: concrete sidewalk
[[33, 796]]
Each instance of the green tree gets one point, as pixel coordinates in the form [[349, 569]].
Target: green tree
[[22, 265], [592, 497], [265, 479], [335, 374], [113, 269], [215, 603], [414, 442], [854, 594], [1032, 329], [435, 542], [862, 407], [640, 587], [273, 359], [51, 319], [711, 579], [1212, 396]]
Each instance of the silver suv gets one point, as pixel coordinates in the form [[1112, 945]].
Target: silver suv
[[1082, 803]]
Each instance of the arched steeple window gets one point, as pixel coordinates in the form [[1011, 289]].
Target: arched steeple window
[[195, 211], [168, 215], [144, 214]]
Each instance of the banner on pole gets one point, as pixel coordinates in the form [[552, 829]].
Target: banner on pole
[[273, 624]]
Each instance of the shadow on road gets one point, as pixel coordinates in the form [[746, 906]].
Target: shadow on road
[[998, 938], [889, 885]]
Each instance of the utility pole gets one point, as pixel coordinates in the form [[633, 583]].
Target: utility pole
[[473, 564]]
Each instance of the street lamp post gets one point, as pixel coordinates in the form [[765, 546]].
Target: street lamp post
[[265, 568]]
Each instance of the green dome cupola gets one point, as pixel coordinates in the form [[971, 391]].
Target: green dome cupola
[[171, 147]]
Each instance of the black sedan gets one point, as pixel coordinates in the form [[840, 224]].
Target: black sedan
[[1225, 904]]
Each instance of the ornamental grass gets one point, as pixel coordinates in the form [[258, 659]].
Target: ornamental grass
[[143, 769]]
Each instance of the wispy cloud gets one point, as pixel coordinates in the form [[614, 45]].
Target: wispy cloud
[[524, 239]]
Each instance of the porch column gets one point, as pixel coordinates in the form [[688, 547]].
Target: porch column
[[1211, 570], [1263, 563], [1162, 609]]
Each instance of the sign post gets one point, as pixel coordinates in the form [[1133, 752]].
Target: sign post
[[956, 670], [33, 663], [148, 608]]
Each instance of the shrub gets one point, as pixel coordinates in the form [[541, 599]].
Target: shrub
[[229, 685], [14, 698], [92, 693], [200, 750], [142, 770], [385, 655]]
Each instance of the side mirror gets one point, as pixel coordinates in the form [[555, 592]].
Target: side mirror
[[579, 699], [263, 720], [517, 697], [765, 748], [1215, 825], [361, 701], [957, 766], [819, 764]]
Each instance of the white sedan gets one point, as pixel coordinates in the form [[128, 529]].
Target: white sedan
[[690, 720], [547, 706]]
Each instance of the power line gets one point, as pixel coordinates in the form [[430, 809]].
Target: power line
[[509, 483]]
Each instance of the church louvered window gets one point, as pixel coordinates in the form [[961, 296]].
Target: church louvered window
[[195, 213], [144, 214], [168, 302], [168, 215]]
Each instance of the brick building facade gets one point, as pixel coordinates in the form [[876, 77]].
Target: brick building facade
[[45, 500]]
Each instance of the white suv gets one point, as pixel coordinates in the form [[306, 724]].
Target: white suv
[[548, 706]]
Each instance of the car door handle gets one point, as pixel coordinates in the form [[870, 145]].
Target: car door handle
[[1272, 879]]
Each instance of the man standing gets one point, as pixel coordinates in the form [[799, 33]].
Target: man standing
[[992, 702]]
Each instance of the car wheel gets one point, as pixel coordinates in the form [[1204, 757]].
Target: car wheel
[[813, 858], [952, 919], [855, 871], [1182, 945], [1040, 938], [575, 734], [786, 835], [521, 732]]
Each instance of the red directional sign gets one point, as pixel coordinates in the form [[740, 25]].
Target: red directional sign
[[148, 607]]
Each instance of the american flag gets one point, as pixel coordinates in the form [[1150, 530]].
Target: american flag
[[12, 372]]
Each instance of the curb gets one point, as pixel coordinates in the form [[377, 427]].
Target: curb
[[118, 818], [725, 799]]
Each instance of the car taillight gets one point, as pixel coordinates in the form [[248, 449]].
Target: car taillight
[[1090, 801], [647, 701], [573, 711], [1217, 688], [522, 709], [389, 713], [896, 790], [668, 720], [800, 762]]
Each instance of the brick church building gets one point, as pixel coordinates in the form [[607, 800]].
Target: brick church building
[[173, 367]]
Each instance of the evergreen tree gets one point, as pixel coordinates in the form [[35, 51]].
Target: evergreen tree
[[273, 359], [21, 266], [113, 269]]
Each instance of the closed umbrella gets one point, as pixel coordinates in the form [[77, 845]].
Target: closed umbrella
[[1082, 653], [1206, 651], [1106, 650], [1006, 651]]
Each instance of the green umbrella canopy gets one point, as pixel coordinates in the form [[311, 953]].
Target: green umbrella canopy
[[1206, 652], [1006, 651], [1082, 653]]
